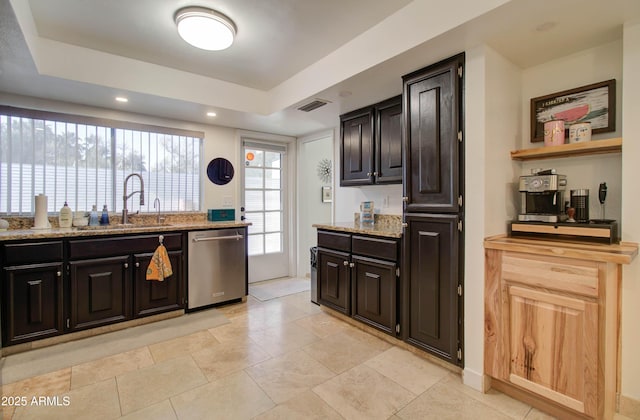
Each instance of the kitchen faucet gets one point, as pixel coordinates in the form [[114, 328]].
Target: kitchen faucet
[[125, 197], [157, 201]]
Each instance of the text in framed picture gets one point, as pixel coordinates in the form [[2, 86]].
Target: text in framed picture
[[593, 103], [327, 195]]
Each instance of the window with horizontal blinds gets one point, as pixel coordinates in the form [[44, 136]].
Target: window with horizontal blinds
[[84, 161]]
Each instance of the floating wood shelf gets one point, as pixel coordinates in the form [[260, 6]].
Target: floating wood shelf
[[566, 150]]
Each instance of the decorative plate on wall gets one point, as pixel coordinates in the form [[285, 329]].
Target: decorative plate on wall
[[220, 171], [324, 170]]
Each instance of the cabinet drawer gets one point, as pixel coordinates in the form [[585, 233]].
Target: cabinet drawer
[[563, 274], [334, 240], [386, 249], [32, 253], [104, 247]]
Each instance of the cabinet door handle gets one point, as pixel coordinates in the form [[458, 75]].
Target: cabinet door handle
[[59, 273], [368, 173], [352, 265], [345, 263], [375, 174], [126, 265], [137, 264]]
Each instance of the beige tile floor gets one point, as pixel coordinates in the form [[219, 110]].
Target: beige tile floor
[[279, 359]]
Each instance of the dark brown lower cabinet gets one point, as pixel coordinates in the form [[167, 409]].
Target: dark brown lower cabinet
[[374, 292], [152, 297], [334, 280], [100, 292], [33, 302], [358, 276], [432, 316]]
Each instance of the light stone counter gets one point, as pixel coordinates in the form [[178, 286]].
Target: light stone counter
[[385, 225], [141, 224]]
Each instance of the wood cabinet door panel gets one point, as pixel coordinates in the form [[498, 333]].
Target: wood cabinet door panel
[[33, 305], [553, 346], [153, 296], [334, 280], [431, 260], [100, 292], [374, 293], [432, 99], [356, 149], [389, 141]]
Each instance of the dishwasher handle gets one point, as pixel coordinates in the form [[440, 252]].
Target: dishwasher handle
[[218, 238]]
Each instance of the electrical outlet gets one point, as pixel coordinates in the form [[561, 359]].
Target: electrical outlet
[[227, 201]]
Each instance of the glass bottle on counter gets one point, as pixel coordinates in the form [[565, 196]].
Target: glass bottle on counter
[[93, 216], [104, 219]]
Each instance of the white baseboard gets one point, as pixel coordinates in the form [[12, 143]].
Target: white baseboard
[[475, 380], [629, 407]]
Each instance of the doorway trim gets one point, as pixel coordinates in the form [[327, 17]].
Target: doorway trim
[[303, 260], [290, 202]]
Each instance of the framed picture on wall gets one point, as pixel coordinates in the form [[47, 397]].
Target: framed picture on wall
[[595, 104], [327, 195]]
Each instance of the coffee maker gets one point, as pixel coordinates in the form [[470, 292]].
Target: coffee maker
[[542, 196]]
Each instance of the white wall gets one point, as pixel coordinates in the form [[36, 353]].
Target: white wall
[[492, 129], [474, 216], [579, 69], [630, 211], [311, 209]]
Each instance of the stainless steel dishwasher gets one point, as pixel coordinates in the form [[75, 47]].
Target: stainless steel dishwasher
[[217, 266]]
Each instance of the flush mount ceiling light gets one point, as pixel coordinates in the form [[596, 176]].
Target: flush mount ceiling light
[[205, 28]]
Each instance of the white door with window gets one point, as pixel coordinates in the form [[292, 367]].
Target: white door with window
[[264, 193]]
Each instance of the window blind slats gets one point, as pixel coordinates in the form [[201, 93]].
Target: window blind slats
[[86, 164]]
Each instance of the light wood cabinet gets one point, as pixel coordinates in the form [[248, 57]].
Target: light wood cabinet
[[551, 323]]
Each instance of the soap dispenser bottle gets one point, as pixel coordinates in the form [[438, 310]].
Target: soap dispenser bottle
[[104, 219], [93, 216], [65, 218]]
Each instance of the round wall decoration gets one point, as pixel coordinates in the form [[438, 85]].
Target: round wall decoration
[[324, 170], [220, 171]]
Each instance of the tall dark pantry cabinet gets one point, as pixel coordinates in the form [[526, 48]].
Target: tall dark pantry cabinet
[[433, 216]]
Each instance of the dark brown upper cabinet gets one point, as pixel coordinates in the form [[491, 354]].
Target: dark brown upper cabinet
[[433, 133], [371, 144]]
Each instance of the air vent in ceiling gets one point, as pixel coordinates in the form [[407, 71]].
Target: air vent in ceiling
[[315, 104]]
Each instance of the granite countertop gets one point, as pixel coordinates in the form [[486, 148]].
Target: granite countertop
[[116, 229], [377, 229]]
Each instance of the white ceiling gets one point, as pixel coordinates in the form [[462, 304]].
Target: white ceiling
[[350, 52]]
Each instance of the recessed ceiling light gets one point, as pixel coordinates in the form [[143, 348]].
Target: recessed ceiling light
[[121, 99], [211, 114], [205, 28]]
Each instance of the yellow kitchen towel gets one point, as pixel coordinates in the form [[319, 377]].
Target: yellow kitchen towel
[[160, 266]]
